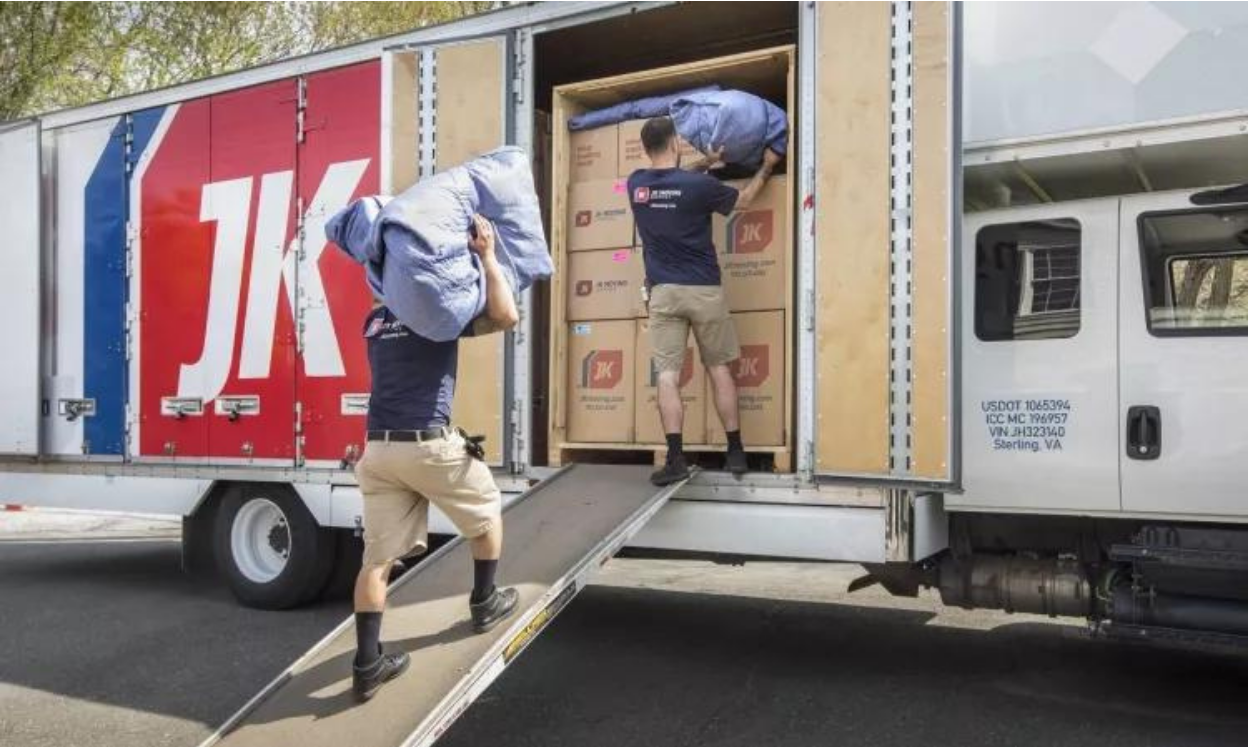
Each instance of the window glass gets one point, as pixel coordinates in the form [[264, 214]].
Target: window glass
[[1027, 280], [1196, 272]]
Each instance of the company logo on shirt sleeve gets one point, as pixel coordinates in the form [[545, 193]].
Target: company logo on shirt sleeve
[[641, 195], [749, 232], [602, 369]]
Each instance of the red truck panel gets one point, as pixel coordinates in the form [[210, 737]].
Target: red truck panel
[[221, 275], [339, 156]]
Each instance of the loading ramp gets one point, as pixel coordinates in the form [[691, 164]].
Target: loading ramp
[[555, 536]]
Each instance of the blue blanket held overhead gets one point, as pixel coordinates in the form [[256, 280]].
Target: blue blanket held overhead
[[651, 106], [741, 123], [414, 247]]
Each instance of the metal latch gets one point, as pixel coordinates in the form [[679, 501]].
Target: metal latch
[[355, 404], [236, 406], [180, 407], [72, 409]]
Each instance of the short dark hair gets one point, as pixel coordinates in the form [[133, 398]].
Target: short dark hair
[[656, 134]]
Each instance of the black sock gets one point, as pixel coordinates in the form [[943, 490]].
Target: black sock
[[482, 580], [367, 638], [675, 445], [734, 441]]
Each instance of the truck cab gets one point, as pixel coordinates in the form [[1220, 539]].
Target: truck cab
[[1104, 351]]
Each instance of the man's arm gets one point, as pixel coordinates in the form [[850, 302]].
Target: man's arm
[[751, 190], [500, 304]]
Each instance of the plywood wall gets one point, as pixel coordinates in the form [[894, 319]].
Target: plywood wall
[[470, 121], [852, 238], [401, 129], [929, 426]]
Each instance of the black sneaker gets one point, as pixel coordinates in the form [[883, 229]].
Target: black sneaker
[[736, 463], [496, 608], [675, 470], [367, 681]]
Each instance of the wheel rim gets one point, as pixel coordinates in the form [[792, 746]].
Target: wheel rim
[[260, 540]]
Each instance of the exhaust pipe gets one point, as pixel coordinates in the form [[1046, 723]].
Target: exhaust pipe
[[1042, 586]]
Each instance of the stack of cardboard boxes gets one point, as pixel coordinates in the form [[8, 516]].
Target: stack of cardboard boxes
[[611, 374]]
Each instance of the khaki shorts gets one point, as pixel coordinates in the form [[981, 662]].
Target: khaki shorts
[[400, 479], [676, 308]]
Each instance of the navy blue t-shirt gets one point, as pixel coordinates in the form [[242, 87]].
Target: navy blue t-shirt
[[673, 210], [413, 376]]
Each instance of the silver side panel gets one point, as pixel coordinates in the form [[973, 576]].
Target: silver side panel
[[20, 296]]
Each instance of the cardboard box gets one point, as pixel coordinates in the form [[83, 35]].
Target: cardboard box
[[632, 154], [599, 216], [601, 372], [593, 154], [693, 389], [605, 284], [761, 378], [754, 247]]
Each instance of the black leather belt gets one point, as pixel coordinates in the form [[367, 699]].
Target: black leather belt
[[429, 434]]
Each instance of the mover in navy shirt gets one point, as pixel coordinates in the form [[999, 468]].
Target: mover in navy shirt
[[412, 459], [672, 208]]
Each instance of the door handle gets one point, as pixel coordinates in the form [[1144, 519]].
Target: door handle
[[1143, 432]]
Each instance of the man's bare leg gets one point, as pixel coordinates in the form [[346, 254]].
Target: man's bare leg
[[489, 605], [671, 408], [729, 415], [672, 415], [372, 668]]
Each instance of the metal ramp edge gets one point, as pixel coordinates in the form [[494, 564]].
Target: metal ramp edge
[[307, 729]]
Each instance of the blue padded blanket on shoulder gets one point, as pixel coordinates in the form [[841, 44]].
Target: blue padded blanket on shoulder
[[414, 247]]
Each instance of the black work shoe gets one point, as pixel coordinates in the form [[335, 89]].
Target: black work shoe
[[736, 463], [368, 680], [675, 470], [496, 608]]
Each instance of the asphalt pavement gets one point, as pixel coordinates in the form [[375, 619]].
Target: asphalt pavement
[[104, 642]]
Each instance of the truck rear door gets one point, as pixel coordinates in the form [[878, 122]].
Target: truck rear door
[[19, 287], [1184, 352], [1039, 323], [445, 104]]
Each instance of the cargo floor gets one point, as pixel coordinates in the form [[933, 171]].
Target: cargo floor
[[555, 536]]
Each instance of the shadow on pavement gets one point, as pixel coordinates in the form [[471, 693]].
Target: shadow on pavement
[[118, 624]]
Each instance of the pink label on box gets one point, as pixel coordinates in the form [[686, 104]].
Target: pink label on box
[[620, 187], [621, 256]]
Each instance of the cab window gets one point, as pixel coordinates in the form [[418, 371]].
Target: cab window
[[1027, 280], [1196, 272]]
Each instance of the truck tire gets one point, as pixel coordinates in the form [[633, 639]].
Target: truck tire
[[269, 548]]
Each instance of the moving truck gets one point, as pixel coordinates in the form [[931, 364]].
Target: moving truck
[[997, 315]]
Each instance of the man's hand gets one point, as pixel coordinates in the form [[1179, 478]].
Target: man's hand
[[771, 158], [715, 159], [500, 305], [481, 236]]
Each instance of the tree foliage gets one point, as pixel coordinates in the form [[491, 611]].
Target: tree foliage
[[56, 55]]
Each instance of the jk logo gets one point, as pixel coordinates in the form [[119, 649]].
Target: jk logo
[[274, 262], [752, 368], [584, 218], [584, 287], [602, 369], [749, 232]]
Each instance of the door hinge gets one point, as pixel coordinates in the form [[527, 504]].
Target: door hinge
[[301, 106]]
